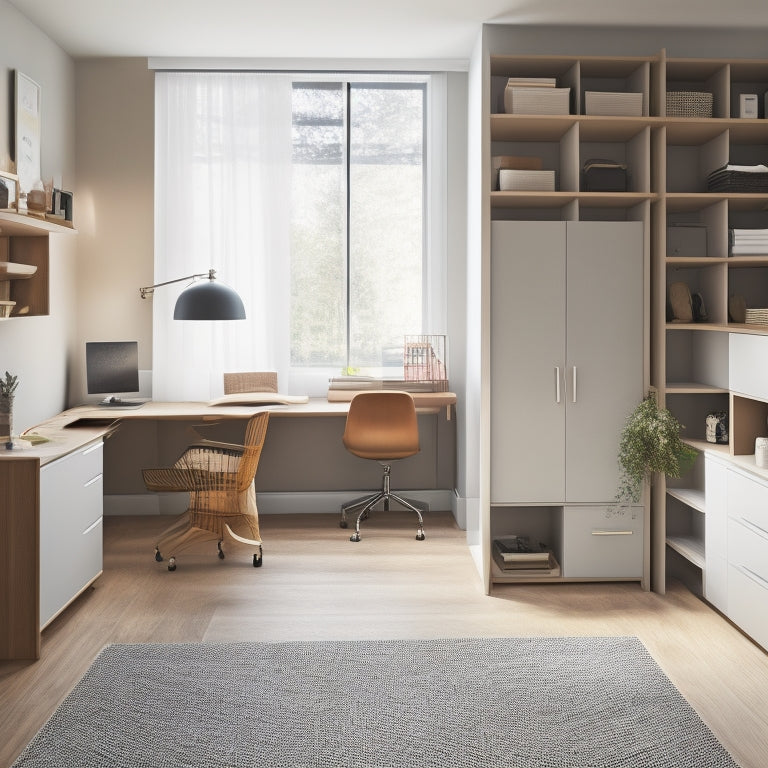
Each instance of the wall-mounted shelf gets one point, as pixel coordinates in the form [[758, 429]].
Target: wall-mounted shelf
[[28, 225], [24, 261]]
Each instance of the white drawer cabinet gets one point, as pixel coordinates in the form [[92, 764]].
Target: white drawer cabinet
[[601, 542], [747, 547], [71, 507]]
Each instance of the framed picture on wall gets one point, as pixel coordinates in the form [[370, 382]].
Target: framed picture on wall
[[9, 191], [28, 126]]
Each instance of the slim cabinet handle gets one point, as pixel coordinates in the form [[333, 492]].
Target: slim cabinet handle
[[574, 383], [611, 533], [557, 383]]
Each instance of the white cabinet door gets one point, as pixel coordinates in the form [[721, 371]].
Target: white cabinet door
[[748, 364], [604, 366], [527, 359], [566, 356], [716, 534]]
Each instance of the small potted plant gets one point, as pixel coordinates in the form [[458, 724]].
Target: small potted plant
[[7, 388], [650, 443]]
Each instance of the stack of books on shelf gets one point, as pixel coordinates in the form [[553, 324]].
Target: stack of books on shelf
[[514, 557], [536, 96], [748, 242]]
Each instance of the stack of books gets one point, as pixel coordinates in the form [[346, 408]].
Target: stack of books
[[536, 96], [748, 242], [510, 555]]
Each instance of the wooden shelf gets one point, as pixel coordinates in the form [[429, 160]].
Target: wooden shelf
[[559, 199], [11, 271], [690, 548], [693, 388], [693, 497], [23, 225]]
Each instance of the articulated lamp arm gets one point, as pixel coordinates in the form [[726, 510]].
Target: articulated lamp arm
[[150, 289]]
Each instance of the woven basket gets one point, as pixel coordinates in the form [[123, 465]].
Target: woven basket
[[689, 104]]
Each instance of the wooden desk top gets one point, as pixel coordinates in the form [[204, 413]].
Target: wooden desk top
[[71, 429]]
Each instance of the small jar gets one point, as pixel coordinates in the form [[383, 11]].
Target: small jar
[[761, 452]]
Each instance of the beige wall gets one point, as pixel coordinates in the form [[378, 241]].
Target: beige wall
[[114, 208], [36, 349]]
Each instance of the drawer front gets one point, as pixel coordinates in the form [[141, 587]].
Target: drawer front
[[747, 500], [748, 603], [599, 545], [748, 364], [748, 548], [65, 570]]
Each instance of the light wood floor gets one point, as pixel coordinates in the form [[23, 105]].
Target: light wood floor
[[316, 584]]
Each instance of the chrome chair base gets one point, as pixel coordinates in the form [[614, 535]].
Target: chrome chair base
[[367, 503]]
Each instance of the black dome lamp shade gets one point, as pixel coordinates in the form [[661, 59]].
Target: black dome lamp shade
[[206, 300]]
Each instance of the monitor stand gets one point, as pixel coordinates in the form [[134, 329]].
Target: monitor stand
[[118, 402]]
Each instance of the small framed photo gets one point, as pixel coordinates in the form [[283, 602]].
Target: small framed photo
[[9, 191]]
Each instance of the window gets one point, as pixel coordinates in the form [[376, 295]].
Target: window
[[357, 212], [318, 199]]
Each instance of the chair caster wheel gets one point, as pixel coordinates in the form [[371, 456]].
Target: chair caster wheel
[[158, 556], [258, 561], [343, 524], [355, 537], [420, 536], [221, 551], [172, 564]]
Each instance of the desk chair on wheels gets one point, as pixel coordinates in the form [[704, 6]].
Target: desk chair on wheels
[[219, 478], [382, 426]]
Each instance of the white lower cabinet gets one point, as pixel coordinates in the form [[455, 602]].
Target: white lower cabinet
[[602, 542], [747, 553], [71, 509]]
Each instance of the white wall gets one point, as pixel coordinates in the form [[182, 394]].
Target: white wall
[[38, 349], [115, 208]]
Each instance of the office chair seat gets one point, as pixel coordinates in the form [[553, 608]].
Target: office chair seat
[[382, 426]]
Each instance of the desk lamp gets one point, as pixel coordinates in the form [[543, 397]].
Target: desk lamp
[[203, 301]]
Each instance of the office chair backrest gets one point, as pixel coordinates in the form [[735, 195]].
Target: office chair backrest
[[254, 381], [255, 433], [382, 425]]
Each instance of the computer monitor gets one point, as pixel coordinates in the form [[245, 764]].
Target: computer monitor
[[112, 369]]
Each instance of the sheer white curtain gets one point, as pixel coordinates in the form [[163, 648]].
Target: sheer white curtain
[[222, 186]]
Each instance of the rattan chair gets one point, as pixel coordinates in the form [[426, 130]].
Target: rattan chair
[[383, 426], [222, 496]]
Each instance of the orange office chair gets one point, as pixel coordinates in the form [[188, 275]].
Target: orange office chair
[[222, 496], [382, 426]]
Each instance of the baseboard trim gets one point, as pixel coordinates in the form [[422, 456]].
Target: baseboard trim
[[272, 503]]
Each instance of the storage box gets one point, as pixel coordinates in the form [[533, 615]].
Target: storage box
[[513, 162], [604, 176], [688, 240], [748, 105], [689, 104], [526, 181], [537, 101], [613, 103]]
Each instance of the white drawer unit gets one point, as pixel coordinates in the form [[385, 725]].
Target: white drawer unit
[[747, 545], [602, 542], [71, 508]]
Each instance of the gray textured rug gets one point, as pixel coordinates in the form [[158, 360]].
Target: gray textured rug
[[460, 703]]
